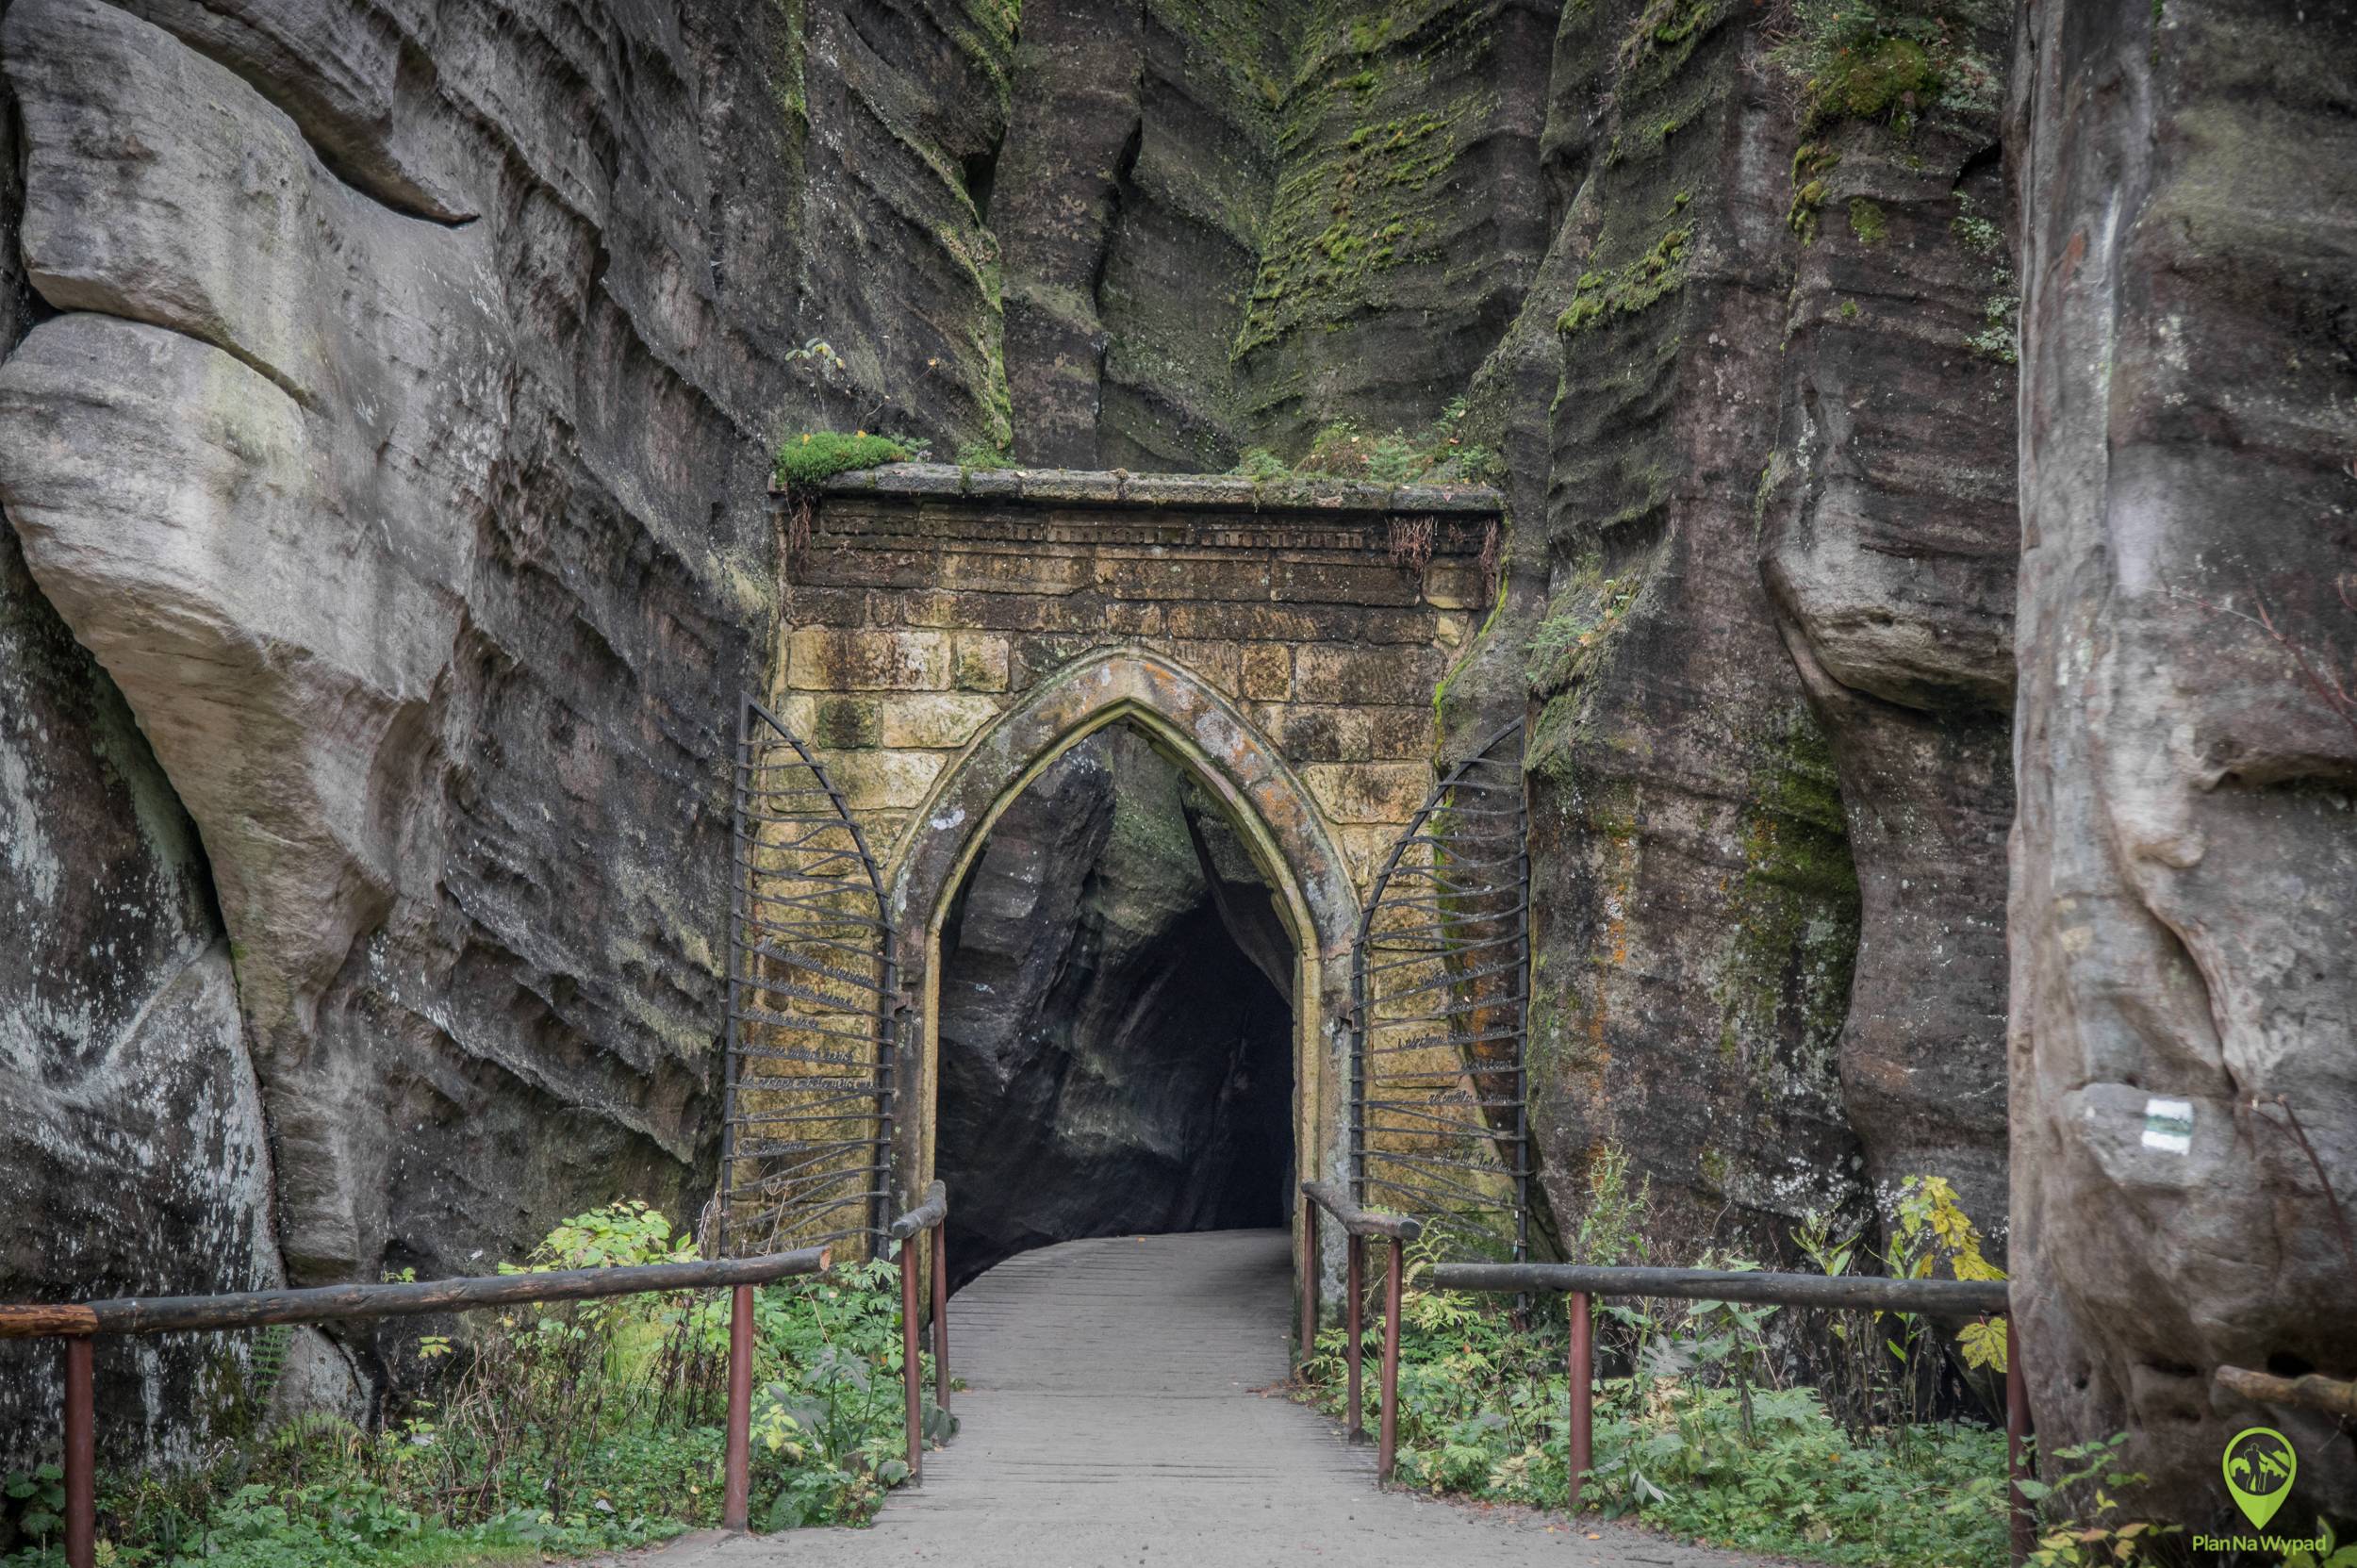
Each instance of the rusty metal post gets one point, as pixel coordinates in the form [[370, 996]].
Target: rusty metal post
[[1308, 1282], [941, 1315], [737, 1487], [1580, 1450], [2023, 1520], [81, 1457], [1356, 1328], [1395, 1270], [912, 1361]]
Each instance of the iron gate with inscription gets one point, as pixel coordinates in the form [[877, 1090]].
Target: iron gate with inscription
[[1440, 1005], [812, 1066]]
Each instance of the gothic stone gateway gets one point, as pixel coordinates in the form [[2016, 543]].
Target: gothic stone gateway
[[948, 634]]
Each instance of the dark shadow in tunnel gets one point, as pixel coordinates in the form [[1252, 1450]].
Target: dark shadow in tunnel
[[1115, 1036]]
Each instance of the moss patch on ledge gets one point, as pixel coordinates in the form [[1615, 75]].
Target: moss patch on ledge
[[821, 455], [1626, 290]]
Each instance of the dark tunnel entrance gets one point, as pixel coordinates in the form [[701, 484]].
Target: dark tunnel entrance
[[1115, 1025]]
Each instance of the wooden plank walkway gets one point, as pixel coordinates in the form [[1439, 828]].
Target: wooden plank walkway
[[1123, 1407]]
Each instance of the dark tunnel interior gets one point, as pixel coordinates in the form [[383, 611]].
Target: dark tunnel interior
[[1116, 1022]]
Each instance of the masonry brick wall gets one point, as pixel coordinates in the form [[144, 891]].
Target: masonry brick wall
[[929, 602]]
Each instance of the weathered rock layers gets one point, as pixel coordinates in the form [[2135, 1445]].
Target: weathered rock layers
[[2184, 861], [394, 433], [390, 435]]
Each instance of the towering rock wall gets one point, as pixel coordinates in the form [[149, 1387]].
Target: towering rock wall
[[392, 440], [1226, 223], [135, 1158], [2184, 861], [1886, 523], [1766, 616], [391, 433]]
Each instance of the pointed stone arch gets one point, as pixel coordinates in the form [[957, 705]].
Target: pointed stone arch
[[1187, 719]]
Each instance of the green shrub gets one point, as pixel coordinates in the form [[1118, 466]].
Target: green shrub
[[547, 1433], [817, 454], [1877, 60], [1704, 1428]]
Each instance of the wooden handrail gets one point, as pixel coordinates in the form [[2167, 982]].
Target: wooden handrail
[[1359, 1225], [79, 1323], [165, 1315], [933, 1211], [934, 1215], [1580, 1283], [1356, 1221], [1963, 1297], [2308, 1392]]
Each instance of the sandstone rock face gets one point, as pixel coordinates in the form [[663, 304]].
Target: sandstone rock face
[[2184, 861], [1696, 904], [1111, 1060], [134, 1159], [1225, 224], [395, 438], [1888, 525]]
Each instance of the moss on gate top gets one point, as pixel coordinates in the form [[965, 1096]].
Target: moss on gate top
[[1200, 491], [818, 455]]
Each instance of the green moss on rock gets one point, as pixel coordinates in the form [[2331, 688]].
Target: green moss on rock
[[817, 454], [1601, 295], [1787, 969]]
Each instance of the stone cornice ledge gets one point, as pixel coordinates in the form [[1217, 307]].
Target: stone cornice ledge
[[1226, 492]]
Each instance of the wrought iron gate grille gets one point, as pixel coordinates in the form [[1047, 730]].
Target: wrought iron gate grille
[[1439, 992], [814, 982]]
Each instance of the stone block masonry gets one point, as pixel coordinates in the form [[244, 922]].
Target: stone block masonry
[[929, 601]]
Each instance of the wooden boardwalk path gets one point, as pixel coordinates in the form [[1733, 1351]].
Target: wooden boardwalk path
[[1122, 1408]]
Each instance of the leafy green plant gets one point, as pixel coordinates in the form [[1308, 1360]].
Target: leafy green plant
[[985, 456], [36, 1502], [2096, 1538], [1703, 1426], [1874, 60], [555, 1431]]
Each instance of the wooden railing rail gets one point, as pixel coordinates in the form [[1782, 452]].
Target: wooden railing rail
[[79, 1324], [1358, 1225], [933, 1214], [1581, 1283]]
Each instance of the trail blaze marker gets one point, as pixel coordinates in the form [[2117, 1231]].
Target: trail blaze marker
[[2260, 1464]]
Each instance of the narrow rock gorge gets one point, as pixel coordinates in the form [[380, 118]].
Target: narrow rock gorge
[[1116, 1033], [1929, 577]]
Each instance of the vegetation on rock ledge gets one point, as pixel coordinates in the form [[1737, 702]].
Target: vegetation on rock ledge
[[820, 454], [1444, 452]]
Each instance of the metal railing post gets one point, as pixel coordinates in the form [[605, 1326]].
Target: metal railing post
[[1308, 1282], [912, 1361], [81, 1457], [1580, 1448], [941, 1315], [1393, 1272], [2021, 1522], [1358, 1252], [736, 1489]]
